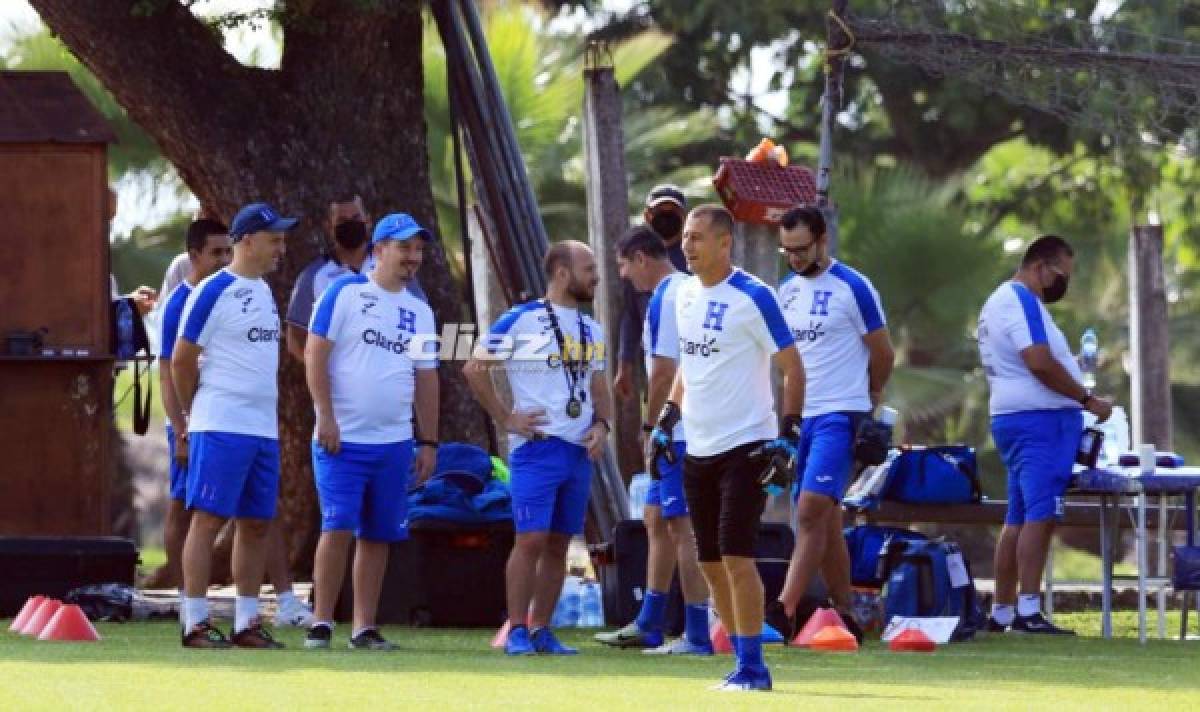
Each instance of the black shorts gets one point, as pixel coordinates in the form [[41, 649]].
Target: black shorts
[[725, 500]]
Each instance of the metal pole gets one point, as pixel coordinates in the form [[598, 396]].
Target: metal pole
[[837, 42]]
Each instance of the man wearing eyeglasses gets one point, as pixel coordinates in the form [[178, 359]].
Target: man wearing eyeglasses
[[1036, 403], [837, 320]]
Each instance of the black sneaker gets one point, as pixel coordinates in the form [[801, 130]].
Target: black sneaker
[[204, 635], [255, 636], [1037, 623], [319, 637], [778, 619], [993, 627], [851, 624], [370, 639]]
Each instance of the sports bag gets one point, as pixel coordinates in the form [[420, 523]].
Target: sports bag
[[874, 551], [932, 578], [938, 474]]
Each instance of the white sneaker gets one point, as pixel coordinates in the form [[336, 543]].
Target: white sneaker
[[294, 613]]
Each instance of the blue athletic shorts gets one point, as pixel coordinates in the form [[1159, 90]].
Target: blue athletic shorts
[[178, 474], [826, 455], [667, 492], [550, 483], [233, 475], [1038, 449], [364, 489]]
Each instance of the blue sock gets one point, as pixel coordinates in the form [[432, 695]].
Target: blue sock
[[750, 652], [735, 641], [696, 624], [654, 609]]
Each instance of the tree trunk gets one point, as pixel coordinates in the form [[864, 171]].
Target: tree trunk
[[344, 113]]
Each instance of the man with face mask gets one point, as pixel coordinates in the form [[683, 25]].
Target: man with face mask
[[666, 207], [1035, 402], [350, 226]]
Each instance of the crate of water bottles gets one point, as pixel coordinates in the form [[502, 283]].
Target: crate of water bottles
[[581, 605]]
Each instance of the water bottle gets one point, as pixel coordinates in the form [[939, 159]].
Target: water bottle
[[638, 487], [124, 330], [1089, 351], [591, 607], [566, 613]]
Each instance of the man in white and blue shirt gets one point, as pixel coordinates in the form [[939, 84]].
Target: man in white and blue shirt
[[208, 250], [554, 357], [643, 260], [229, 399], [370, 359], [731, 333], [837, 319], [1036, 403]]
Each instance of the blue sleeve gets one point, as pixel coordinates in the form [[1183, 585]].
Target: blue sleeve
[[170, 321], [654, 313], [1033, 314], [768, 308], [210, 292], [323, 313], [868, 308], [505, 324]]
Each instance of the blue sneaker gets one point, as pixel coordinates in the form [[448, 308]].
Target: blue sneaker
[[545, 643], [680, 646], [770, 635], [518, 642], [747, 680]]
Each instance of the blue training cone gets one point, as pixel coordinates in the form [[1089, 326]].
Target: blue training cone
[[770, 635]]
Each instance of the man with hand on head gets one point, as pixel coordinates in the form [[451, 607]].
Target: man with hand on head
[[366, 376], [229, 400], [558, 424]]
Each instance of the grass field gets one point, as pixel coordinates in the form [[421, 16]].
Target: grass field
[[141, 666]]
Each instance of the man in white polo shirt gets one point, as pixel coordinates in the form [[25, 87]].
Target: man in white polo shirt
[[229, 398], [366, 374]]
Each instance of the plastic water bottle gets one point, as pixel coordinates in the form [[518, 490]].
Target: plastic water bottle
[[591, 608], [1089, 352], [637, 494], [566, 613], [124, 330]]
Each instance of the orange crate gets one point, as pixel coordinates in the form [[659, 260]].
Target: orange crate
[[761, 193]]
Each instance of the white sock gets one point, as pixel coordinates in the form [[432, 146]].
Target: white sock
[[1029, 604], [328, 624], [195, 610], [1003, 613], [287, 598], [244, 609]]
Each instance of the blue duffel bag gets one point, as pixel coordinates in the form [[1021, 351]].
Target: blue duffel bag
[[937, 474]]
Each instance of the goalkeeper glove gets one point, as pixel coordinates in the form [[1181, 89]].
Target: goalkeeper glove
[[658, 443]]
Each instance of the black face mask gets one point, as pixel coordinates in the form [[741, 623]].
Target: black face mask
[[667, 224], [351, 234], [1057, 289]]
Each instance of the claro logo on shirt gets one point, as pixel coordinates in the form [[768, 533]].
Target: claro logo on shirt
[[703, 348], [258, 333], [812, 333], [398, 346]]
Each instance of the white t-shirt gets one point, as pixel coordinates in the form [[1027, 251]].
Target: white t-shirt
[[829, 314], [727, 336], [660, 337], [176, 272], [1012, 320], [371, 367], [234, 320], [534, 364]]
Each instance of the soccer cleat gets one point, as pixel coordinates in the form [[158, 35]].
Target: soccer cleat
[[852, 625], [204, 635], [545, 643], [747, 680], [1038, 624], [680, 646], [255, 636], [319, 637], [631, 636], [294, 613], [370, 639], [518, 642], [778, 619], [993, 627]]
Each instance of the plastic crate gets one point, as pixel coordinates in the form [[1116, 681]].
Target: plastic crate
[[761, 193]]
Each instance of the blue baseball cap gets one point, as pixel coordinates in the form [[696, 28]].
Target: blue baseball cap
[[398, 226], [257, 217]]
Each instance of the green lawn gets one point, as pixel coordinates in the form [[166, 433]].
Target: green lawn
[[141, 666]]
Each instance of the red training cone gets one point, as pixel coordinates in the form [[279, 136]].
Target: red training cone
[[720, 638], [821, 618], [41, 617], [833, 639], [26, 613], [69, 623], [911, 640]]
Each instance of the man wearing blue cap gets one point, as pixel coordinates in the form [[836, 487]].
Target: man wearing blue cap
[[369, 358], [229, 404]]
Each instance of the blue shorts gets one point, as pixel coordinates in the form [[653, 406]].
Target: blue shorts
[[826, 455], [1038, 449], [364, 488], [233, 475], [667, 492], [550, 483], [178, 474]]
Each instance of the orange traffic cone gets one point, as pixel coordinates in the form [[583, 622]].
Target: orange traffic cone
[[26, 612], [911, 640], [821, 618], [833, 639], [41, 617], [69, 623], [720, 638]]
